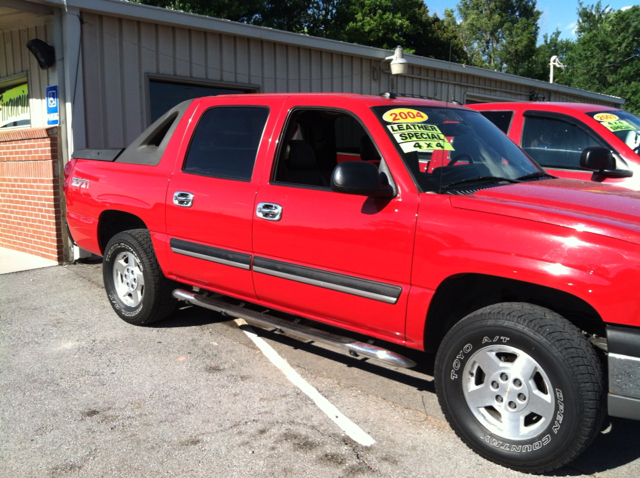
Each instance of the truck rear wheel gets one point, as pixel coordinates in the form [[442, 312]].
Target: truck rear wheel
[[138, 291], [521, 386]]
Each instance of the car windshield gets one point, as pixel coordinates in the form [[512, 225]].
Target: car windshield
[[454, 150], [623, 124]]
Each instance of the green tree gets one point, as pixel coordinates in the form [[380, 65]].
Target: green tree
[[312, 17], [245, 11], [520, 37], [473, 55], [378, 23], [606, 55], [439, 38], [388, 23], [500, 34]]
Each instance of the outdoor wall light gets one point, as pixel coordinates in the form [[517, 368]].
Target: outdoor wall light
[[399, 66], [534, 96], [45, 54]]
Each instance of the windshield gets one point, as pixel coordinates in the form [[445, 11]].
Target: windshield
[[455, 151], [623, 124]]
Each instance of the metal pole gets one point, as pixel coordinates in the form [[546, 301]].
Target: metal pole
[[554, 58]]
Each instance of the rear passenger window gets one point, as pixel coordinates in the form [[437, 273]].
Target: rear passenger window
[[502, 119], [225, 142]]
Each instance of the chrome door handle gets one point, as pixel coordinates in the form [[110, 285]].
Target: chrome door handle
[[184, 199], [269, 211]]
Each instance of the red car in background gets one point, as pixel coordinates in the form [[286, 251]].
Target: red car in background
[[557, 135]]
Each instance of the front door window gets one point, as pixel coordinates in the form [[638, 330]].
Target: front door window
[[555, 143]]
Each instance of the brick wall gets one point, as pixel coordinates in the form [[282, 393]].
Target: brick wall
[[30, 192]]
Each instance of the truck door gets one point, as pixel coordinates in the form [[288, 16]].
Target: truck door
[[556, 141], [210, 200], [340, 258]]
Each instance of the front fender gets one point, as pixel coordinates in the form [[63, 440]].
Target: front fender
[[600, 270]]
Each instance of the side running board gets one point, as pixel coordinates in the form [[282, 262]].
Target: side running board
[[267, 321]]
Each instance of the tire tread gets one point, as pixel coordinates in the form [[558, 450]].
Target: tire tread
[[580, 358], [163, 304]]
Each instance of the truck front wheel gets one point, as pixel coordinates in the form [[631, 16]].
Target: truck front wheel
[[521, 386], [135, 285]]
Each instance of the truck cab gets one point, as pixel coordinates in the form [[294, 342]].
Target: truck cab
[[556, 135]]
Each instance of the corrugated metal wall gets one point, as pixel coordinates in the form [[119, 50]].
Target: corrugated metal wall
[[118, 54], [15, 59]]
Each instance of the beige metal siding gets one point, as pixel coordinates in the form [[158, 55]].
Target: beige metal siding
[[16, 59], [119, 54]]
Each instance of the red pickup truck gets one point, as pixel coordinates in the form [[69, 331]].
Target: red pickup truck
[[556, 134], [409, 221]]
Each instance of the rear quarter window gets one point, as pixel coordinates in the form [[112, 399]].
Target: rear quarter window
[[502, 119]]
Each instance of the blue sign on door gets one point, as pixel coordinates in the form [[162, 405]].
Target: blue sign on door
[[53, 115]]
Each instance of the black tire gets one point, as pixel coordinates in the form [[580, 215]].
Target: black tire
[[521, 386], [138, 291]]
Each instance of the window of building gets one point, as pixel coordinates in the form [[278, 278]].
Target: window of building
[[14, 102], [225, 142], [555, 143], [164, 95]]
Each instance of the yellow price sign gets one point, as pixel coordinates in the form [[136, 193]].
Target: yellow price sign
[[605, 117], [619, 125], [419, 137], [404, 115]]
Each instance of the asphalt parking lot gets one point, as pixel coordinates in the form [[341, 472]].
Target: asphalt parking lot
[[83, 394]]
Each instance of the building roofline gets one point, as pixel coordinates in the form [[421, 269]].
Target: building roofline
[[140, 12]]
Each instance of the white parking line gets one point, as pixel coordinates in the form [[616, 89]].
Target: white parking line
[[350, 428]]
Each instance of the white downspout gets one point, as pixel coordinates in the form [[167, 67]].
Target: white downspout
[[68, 34]]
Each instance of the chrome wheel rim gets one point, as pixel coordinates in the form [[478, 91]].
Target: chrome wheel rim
[[128, 279], [508, 392]]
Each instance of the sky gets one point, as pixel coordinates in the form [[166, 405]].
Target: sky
[[560, 14]]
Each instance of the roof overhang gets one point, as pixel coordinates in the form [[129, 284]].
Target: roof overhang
[[16, 14], [147, 13]]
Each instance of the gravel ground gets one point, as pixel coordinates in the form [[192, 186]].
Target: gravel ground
[[83, 394]]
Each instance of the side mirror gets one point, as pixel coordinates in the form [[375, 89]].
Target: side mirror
[[360, 178], [597, 158], [601, 161]]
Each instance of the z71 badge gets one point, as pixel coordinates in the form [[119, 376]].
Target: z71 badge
[[80, 183]]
